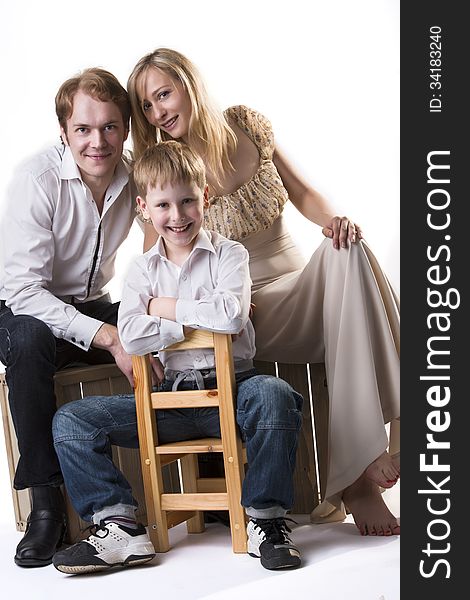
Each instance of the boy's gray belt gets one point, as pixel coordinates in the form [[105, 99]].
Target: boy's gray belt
[[197, 375]]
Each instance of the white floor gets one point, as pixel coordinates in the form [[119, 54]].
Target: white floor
[[338, 564]]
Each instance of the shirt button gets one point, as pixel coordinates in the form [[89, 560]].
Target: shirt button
[[82, 343], [73, 339]]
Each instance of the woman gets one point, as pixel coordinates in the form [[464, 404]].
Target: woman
[[339, 308]]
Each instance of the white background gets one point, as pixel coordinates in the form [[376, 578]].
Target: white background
[[326, 73]]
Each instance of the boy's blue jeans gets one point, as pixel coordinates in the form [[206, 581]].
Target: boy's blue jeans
[[268, 415]]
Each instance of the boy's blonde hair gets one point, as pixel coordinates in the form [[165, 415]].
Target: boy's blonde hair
[[168, 163]]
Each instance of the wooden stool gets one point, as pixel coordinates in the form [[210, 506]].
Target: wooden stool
[[166, 510]]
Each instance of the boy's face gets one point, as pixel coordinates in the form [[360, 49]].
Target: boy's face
[[95, 134], [176, 212]]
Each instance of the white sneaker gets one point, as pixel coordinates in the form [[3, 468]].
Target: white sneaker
[[109, 545]]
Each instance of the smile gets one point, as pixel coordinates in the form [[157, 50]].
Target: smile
[[97, 157], [169, 124], [180, 229]]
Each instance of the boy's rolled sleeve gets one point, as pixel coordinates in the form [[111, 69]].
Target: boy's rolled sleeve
[[216, 312]]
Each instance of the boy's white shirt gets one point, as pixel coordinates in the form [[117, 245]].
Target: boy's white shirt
[[213, 288]]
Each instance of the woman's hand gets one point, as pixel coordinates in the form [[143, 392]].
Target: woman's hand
[[341, 230]]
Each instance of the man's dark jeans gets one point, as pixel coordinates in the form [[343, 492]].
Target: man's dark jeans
[[32, 355]]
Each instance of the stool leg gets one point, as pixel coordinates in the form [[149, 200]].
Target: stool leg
[[233, 460], [190, 473], [233, 467]]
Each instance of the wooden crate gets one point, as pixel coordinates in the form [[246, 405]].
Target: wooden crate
[[312, 453], [70, 385]]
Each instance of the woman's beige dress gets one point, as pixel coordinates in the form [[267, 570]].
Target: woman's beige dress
[[338, 308]]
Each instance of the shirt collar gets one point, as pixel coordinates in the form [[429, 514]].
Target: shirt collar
[[69, 168], [202, 242]]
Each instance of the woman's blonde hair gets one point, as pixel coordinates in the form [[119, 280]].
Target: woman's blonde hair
[[209, 132]]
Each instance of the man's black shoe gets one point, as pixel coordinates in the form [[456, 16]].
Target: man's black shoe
[[44, 534], [45, 528]]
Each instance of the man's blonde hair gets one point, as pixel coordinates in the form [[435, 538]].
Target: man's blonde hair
[[97, 83], [166, 163]]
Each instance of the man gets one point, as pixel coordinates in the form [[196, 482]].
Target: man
[[68, 211]]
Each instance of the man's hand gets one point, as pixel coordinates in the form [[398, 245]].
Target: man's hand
[[157, 370], [107, 338]]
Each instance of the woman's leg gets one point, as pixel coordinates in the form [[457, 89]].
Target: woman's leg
[[341, 310]]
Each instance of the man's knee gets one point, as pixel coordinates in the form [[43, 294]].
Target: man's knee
[[27, 336]]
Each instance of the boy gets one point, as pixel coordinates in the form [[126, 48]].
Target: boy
[[190, 278]]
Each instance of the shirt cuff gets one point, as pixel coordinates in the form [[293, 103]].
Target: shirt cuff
[[184, 312], [170, 333], [82, 330]]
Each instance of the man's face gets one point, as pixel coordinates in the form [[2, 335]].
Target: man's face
[[95, 135]]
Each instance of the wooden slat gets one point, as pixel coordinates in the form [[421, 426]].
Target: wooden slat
[[265, 368], [168, 459], [233, 455], [189, 475], [20, 498], [197, 338], [185, 399], [150, 461], [305, 473], [86, 373], [191, 446], [394, 445], [194, 501], [321, 414], [175, 517], [306, 494], [211, 484]]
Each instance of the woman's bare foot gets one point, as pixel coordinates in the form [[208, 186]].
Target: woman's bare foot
[[371, 515], [384, 471]]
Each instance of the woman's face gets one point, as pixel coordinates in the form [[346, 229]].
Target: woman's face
[[165, 103]]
